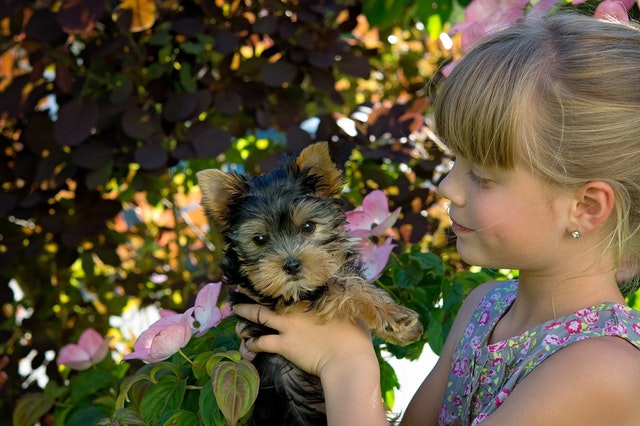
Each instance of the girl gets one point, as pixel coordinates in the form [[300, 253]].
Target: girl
[[543, 118]]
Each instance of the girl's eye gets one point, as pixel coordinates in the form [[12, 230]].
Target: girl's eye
[[261, 240], [308, 227], [478, 179]]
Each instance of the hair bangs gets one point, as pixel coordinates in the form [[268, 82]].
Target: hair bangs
[[482, 108]]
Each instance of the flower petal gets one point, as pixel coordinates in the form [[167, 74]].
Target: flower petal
[[94, 344], [167, 342], [376, 205], [358, 219], [387, 223], [74, 357], [375, 258], [153, 343], [206, 311]]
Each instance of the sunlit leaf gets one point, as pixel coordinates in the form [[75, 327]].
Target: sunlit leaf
[[143, 13], [235, 386], [79, 16]]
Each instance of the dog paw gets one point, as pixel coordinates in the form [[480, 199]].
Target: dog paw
[[403, 328]]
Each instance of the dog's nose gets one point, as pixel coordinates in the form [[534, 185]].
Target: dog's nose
[[292, 266]]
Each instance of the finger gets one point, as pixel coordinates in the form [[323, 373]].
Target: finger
[[265, 343], [258, 314], [245, 352]]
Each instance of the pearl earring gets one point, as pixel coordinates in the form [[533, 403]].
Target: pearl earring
[[575, 235]]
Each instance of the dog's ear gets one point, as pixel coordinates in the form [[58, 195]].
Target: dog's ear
[[217, 189], [317, 161]]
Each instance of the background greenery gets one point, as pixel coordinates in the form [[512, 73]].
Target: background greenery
[[108, 108]]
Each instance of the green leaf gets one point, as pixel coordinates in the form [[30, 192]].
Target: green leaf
[[87, 415], [125, 386], [125, 416], [384, 13], [210, 414], [87, 383], [182, 418], [235, 386], [199, 364], [233, 356], [165, 395], [30, 407]]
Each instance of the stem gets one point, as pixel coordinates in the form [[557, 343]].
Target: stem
[[186, 357], [190, 361]]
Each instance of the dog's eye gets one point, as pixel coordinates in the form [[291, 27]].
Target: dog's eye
[[261, 240], [308, 227]]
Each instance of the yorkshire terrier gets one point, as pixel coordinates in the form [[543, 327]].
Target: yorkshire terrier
[[287, 248]]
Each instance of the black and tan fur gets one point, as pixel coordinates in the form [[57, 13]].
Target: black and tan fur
[[287, 248]]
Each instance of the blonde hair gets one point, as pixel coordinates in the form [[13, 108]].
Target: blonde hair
[[561, 95]]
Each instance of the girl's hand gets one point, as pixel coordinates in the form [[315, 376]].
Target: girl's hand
[[338, 351], [304, 339]]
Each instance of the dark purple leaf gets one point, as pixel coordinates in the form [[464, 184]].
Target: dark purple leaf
[[297, 139], [183, 151], [64, 79], [79, 16], [98, 177], [209, 141], [76, 120], [263, 118], [179, 106], [320, 59], [91, 155], [122, 88], [42, 26], [151, 157], [7, 7], [356, 66], [226, 42], [278, 73], [140, 124], [227, 101], [38, 136], [286, 28], [188, 26], [322, 80], [203, 101], [8, 201], [266, 25]]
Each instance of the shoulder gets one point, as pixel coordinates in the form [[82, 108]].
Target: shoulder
[[593, 381], [470, 304], [425, 404]]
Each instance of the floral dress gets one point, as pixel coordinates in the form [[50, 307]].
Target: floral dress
[[482, 376]]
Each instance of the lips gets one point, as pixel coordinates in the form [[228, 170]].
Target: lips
[[459, 229]]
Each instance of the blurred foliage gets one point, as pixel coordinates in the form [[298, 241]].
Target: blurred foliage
[[108, 108]]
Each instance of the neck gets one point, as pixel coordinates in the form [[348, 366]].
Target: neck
[[544, 298]]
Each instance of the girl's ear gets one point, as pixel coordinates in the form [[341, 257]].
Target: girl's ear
[[595, 202]]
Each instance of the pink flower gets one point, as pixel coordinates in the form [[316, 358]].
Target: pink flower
[[163, 338], [173, 331], [485, 16], [206, 311], [90, 350], [375, 258], [502, 395], [613, 9], [574, 326], [484, 318], [372, 218]]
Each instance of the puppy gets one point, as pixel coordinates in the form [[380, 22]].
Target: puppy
[[287, 248]]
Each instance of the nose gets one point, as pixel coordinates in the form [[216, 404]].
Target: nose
[[450, 189], [292, 266]]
